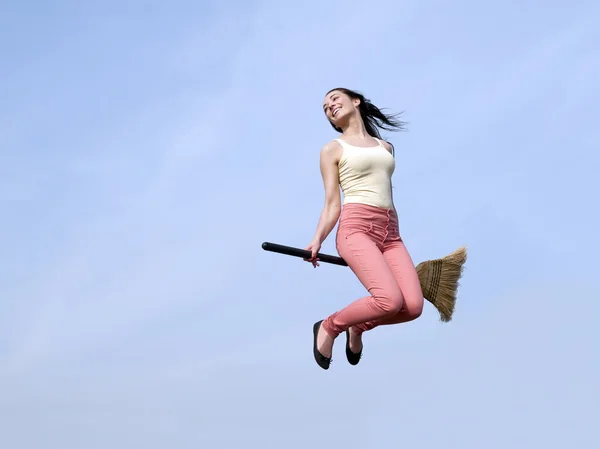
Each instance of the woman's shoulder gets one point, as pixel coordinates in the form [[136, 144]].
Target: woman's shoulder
[[331, 152], [333, 147]]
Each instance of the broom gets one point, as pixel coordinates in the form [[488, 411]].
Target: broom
[[439, 281], [438, 277]]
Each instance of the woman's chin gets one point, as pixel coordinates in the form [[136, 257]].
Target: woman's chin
[[340, 122]]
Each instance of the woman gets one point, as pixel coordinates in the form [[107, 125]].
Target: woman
[[361, 163]]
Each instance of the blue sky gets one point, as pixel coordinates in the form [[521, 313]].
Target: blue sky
[[147, 150]]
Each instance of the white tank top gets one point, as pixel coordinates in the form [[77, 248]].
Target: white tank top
[[366, 174]]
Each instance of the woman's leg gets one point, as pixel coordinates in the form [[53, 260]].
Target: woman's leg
[[405, 273], [365, 258]]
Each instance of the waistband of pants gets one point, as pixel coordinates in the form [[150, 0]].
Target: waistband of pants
[[367, 211]]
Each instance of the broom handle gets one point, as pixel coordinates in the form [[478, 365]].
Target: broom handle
[[303, 253]]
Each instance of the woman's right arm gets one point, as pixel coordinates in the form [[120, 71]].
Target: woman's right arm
[[329, 159]]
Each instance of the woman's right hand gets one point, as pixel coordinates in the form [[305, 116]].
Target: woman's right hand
[[314, 248]]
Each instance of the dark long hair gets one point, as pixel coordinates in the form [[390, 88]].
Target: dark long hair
[[373, 118]]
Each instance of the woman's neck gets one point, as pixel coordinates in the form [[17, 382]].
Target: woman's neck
[[356, 129]]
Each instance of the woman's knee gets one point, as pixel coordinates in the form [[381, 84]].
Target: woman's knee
[[414, 307], [390, 300]]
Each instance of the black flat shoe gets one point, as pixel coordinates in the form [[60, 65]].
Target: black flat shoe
[[321, 360], [352, 357]]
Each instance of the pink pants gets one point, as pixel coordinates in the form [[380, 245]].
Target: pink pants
[[368, 239]]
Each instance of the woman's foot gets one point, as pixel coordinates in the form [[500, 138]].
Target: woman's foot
[[355, 340], [353, 346], [322, 345]]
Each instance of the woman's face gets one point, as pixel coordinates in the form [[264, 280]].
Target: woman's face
[[338, 107]]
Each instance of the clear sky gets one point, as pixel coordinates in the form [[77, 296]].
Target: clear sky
[[147, 149]]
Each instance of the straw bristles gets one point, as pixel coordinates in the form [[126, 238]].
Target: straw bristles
[[439, 281]]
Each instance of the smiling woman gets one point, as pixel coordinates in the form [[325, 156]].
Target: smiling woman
[[368, 236]]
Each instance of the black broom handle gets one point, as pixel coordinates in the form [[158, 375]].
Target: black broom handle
[[303, 253]]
